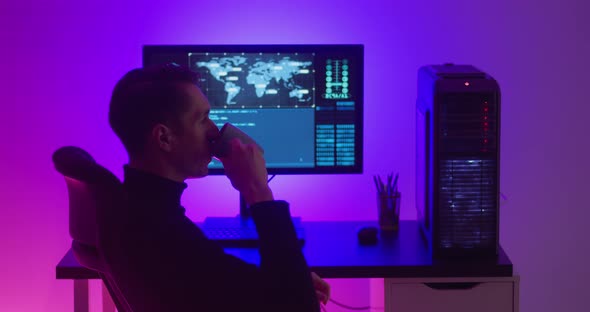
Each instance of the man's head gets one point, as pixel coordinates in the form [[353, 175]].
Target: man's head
[[162, 119]]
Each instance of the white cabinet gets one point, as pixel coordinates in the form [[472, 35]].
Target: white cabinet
[[469, 294]]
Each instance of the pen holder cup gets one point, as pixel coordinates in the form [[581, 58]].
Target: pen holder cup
[[389, 207]]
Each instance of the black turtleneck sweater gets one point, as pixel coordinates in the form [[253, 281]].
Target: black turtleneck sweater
[[163, 262]]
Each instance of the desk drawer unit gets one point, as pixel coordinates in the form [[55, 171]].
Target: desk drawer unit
[[485, 294]]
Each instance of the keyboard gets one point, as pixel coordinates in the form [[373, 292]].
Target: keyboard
[[239, 233]]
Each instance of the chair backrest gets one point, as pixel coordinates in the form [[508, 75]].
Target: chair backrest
[[91, 187]]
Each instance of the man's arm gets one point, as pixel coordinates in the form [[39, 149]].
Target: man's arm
[[282, 263], [222, 282], [283, 267]]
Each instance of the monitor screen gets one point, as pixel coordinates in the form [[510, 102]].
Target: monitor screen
[[303, 104]]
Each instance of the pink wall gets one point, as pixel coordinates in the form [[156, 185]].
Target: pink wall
[[60, 60]]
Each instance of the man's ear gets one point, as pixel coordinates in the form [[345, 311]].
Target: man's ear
[[163, 137]]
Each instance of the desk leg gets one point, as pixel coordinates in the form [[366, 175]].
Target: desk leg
[[377, 294], [107, 302], [80, 295]]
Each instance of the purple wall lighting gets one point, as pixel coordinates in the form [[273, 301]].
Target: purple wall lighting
[[61, 59]]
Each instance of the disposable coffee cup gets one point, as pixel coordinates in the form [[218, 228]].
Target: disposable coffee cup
[[222, 147]]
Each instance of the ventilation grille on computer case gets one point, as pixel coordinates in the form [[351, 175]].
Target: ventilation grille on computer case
[[468, 171], [467, 203]]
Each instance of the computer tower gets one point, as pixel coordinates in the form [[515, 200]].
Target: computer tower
[[458, 160]]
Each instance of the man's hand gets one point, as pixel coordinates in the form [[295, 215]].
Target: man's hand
[[246, 169], [322, 288]]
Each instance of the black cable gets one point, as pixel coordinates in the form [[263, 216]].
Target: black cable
[[273, 176]]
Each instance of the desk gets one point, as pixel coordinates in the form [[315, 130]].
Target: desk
[[332, 251]]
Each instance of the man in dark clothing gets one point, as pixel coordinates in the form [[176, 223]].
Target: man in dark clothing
[[160, 260]]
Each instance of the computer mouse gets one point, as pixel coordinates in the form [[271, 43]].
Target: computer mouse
[[368, 235]]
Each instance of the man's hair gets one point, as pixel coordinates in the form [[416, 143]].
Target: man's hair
[[145, 97]]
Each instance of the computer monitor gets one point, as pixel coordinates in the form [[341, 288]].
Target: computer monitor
[[303, 104]]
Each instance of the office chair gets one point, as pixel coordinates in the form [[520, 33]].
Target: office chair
[[91, 187]]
